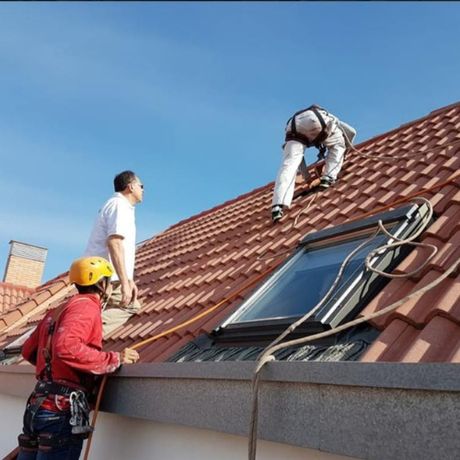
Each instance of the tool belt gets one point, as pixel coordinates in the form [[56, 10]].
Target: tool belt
[[79, 406], [52, 388]]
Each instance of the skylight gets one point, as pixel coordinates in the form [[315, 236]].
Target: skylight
[[302, 281], [305, 279]]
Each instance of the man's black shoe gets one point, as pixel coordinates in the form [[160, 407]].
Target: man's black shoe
[[325, 183], [277, 213]]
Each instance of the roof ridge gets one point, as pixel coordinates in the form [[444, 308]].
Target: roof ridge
[[60, 277], [409, 123], [29, 303], [447, 107], [360, 145], [41, 304], [217, 207]]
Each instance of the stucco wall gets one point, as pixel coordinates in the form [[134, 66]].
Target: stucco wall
[[383, 411], [119, 438], [11, 410]]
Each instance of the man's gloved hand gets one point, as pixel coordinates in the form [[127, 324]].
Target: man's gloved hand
[[129, 356]]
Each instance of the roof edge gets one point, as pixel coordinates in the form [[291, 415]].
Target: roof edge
[[224, 405], [409, 123], [411, 376], [311, 166]]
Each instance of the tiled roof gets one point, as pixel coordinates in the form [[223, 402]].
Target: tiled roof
[[199, 261], [11, 294], [16, 319]]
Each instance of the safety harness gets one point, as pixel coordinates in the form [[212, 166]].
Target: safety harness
[[294, 135], [79, 407]]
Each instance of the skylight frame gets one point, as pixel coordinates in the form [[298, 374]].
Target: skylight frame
[[13, 349], [403, 221]]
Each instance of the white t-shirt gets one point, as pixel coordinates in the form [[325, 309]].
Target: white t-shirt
[[116, 217]]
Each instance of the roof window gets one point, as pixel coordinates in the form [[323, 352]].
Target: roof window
[[11, 353], [302, 281]]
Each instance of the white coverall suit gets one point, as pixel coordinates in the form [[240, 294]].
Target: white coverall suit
[[308, 124]]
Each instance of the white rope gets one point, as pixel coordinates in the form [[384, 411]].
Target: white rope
[[400, 242], [268, 353]]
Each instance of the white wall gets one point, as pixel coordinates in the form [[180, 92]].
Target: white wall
[[11, 411], [121, 438]]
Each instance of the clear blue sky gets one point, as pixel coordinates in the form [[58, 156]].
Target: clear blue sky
[[194, 97]]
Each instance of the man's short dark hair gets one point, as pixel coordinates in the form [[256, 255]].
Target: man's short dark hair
[[93, 288], [122, 180], [87, 289]]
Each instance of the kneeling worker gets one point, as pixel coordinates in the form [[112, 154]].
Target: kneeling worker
[[66, 348], [307, 128]]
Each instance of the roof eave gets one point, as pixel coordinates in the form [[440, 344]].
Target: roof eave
[[371, 410]]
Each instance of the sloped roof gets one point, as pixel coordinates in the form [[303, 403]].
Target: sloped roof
[[12, 294], [16, 319], [196, 263]]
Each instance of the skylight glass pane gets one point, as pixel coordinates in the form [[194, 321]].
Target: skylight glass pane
[[306, 281]]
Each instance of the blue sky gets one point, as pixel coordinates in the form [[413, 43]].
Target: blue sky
[[193, 97]]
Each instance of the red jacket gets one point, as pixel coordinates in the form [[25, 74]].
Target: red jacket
[[76, 344]]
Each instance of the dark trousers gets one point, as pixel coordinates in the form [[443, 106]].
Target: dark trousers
[[53, 433]]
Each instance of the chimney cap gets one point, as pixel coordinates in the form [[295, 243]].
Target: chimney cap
[[28, 251], [28, 244]]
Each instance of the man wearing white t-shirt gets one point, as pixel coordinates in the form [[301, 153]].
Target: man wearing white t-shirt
[[114, 237]]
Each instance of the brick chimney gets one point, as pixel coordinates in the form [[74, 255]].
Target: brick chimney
[[25, 264]]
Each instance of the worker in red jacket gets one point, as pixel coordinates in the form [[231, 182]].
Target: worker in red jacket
[[66, 348]]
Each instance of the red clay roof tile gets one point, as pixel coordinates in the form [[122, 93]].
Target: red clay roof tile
[[439, 341], [11, 295], [199, 261]]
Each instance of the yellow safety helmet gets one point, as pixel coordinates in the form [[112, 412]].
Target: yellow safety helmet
[[88, 271]]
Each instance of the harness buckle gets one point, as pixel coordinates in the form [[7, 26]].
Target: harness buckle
[[79, 410]]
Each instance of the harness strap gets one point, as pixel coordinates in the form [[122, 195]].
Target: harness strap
[[321, 137], [49, 441], [27, 442], [31, 410], [53, 388], [47, 349], [293, 134]]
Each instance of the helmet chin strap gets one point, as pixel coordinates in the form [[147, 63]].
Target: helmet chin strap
[[103, 293], [105, 300]]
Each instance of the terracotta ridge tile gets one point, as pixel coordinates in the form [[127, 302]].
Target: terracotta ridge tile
[[223, 205]]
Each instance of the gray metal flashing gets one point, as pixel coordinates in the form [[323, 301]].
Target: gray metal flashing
[[344, 350], [409, 376], [364, 410], [350, 227]]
